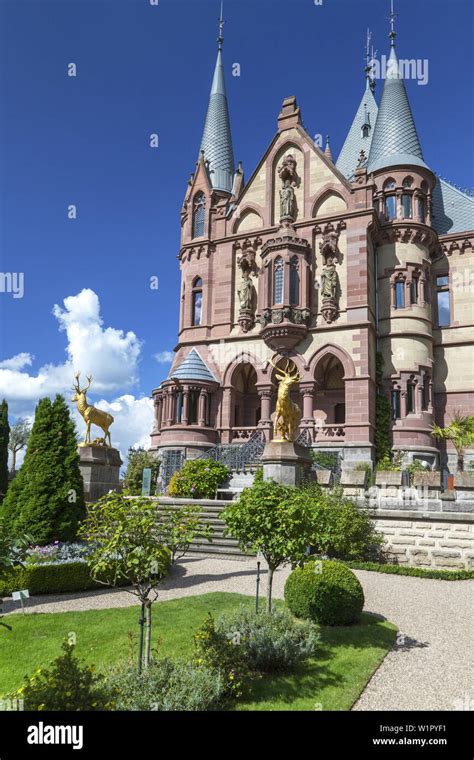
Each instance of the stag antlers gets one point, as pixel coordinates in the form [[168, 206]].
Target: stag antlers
[[284, 374], [77, 388]]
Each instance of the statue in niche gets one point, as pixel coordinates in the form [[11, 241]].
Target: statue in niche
[[329, 280], [245, 291], [289, 177]]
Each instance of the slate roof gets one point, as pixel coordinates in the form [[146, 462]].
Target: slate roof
[[354, 142], [453, 210], [193, 368], [217, 139], [395, 139]]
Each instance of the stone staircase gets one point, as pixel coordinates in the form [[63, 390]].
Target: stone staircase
[[210, 515]]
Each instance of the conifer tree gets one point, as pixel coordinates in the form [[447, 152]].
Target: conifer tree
[[46, 499], [4, 438]]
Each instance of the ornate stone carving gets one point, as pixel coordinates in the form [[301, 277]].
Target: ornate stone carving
[[246, 290], [290, 180], [329, 244], [329, 280], [277, 316]]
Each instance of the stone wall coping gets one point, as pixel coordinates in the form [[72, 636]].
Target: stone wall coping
[[190, 500], [404, 514]]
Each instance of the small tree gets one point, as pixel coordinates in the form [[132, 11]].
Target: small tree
[[126, 546], [268, 519], [138, 460], [179, 526], [461, 434], [4, 438], [19, 435]]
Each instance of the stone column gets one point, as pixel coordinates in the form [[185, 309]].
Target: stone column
[[307, 389], [403, 403], [202, 408], [159, 412], [185, 415], [265, 423], [169, 408]]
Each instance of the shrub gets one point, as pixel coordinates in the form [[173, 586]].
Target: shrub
[[369, 473], [415, 466], [270, 641], [392, 463], [138, 460], [198, 478], [326, 459], [326, 592], [49, 579], [65, 685], [168, 685], [417, 572], [340, 529], [214, 650]]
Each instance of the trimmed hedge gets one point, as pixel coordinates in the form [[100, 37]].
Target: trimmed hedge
[[417, 572], [49, 579], [326, 592]]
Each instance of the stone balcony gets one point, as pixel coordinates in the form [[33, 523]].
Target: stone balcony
[[284, 327]]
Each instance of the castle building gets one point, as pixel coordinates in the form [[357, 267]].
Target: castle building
[[357, 271]]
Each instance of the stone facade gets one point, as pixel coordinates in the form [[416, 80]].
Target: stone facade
[[306, 263]]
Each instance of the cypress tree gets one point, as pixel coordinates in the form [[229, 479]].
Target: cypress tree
[[46, 499], [4, 438]]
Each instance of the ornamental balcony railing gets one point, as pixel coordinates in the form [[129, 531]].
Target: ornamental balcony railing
[[242, 434]]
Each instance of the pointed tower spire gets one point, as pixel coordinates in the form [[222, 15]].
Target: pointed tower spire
[[217, 139], [360, 134], [369, 63], [395, 139]]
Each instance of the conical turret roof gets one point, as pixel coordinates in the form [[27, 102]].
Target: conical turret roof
[[217, 138], [395, 139]]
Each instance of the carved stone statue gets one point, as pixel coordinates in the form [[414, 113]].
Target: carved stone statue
[[287, 202], [329, 280], [245, 291], [290, 180]]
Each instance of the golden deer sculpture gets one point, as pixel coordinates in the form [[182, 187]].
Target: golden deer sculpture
[[288, 414], [91, 415]]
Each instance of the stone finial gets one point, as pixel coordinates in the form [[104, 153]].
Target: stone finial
[[289, 116], [327, 151]]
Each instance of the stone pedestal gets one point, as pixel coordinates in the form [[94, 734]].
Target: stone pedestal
[[100, 470], [286, 462]]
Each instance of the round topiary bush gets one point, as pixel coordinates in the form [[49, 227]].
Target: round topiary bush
[[326, 592]]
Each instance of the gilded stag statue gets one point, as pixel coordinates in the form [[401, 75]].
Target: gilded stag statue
[[91, 415], [288, 414]]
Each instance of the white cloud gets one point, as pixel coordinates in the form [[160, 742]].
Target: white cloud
[[109, 354], [17, 362], [164, 357]]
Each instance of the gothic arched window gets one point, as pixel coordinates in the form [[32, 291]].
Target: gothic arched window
[[278, 281], [197, 302], [294, 282], [199, 214]]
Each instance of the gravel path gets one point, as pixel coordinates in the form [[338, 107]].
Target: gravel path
[[430, 668]]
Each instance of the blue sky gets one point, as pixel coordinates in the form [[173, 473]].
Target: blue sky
[[84, 140]]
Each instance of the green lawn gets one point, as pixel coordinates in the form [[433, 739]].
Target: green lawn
[[347, 659]]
